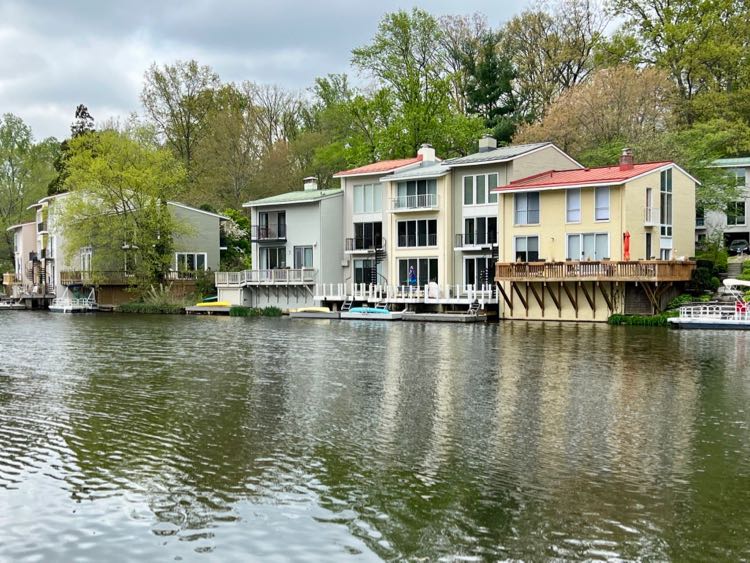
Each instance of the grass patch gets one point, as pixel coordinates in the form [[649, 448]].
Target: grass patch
[[151, 308], [642, 320], [238, 311]]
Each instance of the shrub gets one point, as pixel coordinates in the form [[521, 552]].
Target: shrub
[[238, 311], [271, 312], [680, 300], [150, 309], [642, 320]]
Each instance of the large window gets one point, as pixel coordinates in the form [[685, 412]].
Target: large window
[[272, 258], [665, 220], [425, 271], [303, 257], [736, 213], [366, 271], [527, 249], [478, 189], [478, 271], [601, 204], [588, 246], [186, 261], [480, 230], [368, 235], [86, 254], [368, 198], [416, 193], [527, 208], [421, 232], [573, 205]]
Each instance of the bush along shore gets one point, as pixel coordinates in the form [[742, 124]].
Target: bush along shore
[[237, 311], [151, 308], [661, 318]]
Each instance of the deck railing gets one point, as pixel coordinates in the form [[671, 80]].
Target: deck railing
[[259, 232], [641, 270], [478, 238], [266, 277], [115, 277], [716, 311], [422, 201], [429, 293]]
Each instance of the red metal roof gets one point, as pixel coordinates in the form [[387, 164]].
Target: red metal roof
[[581, 177], [381, 166]]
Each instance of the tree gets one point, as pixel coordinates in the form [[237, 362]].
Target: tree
[[552, 49], [177, 98], [702, 43], [83, 124], [119, 187]]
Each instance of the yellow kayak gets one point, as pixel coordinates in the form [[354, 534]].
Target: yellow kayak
[[312, 310], [214, 304]]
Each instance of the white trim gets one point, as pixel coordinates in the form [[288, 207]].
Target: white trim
[[251, 204], [20, 226], [580, 206], [422, 177], [581, 235], [198, 210], [391, 171], [177, 260], [609, 204]]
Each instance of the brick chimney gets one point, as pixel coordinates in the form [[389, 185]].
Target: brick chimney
[[487, 143], [626, 159], [427, 152], [310, 183]]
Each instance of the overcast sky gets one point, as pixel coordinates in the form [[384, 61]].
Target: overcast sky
[[55, 54]]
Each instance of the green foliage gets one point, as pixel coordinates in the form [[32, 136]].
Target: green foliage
[[745, 275], [160, 299], [238, 311], [150, 309], [236, 238], [642, 320], [119, 185], [205, 284]]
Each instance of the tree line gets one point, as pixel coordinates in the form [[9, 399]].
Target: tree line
[[669, 79]]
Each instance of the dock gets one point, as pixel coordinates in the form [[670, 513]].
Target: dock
[[458, 317]]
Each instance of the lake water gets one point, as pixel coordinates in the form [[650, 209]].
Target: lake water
[[183, 438]]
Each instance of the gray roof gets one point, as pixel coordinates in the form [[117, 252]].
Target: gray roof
[[299, 196], [732, 162], [499, 154], [432, 169]]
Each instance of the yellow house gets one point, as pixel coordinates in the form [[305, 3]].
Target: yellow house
[[583, 244]]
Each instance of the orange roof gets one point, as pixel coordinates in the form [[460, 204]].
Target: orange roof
[[379, 167], [605, 175]]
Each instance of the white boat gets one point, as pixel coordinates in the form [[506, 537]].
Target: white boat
[[721, 316], [379, 313], [68, 304]]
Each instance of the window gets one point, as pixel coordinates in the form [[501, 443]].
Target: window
[[190, 261], [527, 208], [588, 246], [303, 257], [601, 204], [478, 271], [477, 189], [272, 258], [527, 249], [366, 271], [425, 270], [739, 174], [665, 213], [421, 232], [480, 230], [573, 206], [368, 235], [700, 216], [416, 193], [736, 213], [86, 259], [368, 198]]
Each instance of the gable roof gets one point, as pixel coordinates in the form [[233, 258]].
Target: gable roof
[[575, 178], [500, 154], [220, 217], [379, 167], [422, 170], [299, 196]]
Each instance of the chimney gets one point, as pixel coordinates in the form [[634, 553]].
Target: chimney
[[310, 183], [427, 152], [487, 143], [626, 159]]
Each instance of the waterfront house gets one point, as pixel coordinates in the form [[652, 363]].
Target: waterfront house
[[296, 241], [733, 223], [430, 228], [586, 243], [24, 280], [52, 269]]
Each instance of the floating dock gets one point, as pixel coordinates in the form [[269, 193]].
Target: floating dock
[[207, 310]]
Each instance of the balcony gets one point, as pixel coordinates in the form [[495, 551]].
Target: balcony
[[301, 276], [414, 202], [650, 216], [417, 241], [635, 271], [478, 239], [365, 245], [115, 278], [260, 233]]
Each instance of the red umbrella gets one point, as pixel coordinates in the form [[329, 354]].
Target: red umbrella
[[626, 245]]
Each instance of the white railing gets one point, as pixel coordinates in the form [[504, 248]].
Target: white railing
[[430, 293], [69, 303], [650, 216], [716, 311], [423, 201], [258, 277]]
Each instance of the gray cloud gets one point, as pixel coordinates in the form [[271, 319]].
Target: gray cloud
[[55, 55]]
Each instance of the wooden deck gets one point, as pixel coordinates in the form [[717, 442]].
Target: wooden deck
[[635, 271]]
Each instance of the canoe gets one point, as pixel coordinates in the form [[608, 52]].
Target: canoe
[[311, 310], [214, 304]]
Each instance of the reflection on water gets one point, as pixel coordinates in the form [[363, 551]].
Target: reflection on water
[[163, 437]]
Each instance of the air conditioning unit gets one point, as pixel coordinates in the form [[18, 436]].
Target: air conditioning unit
[[345, 263]]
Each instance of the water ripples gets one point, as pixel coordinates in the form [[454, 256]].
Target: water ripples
[[127, 436]]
